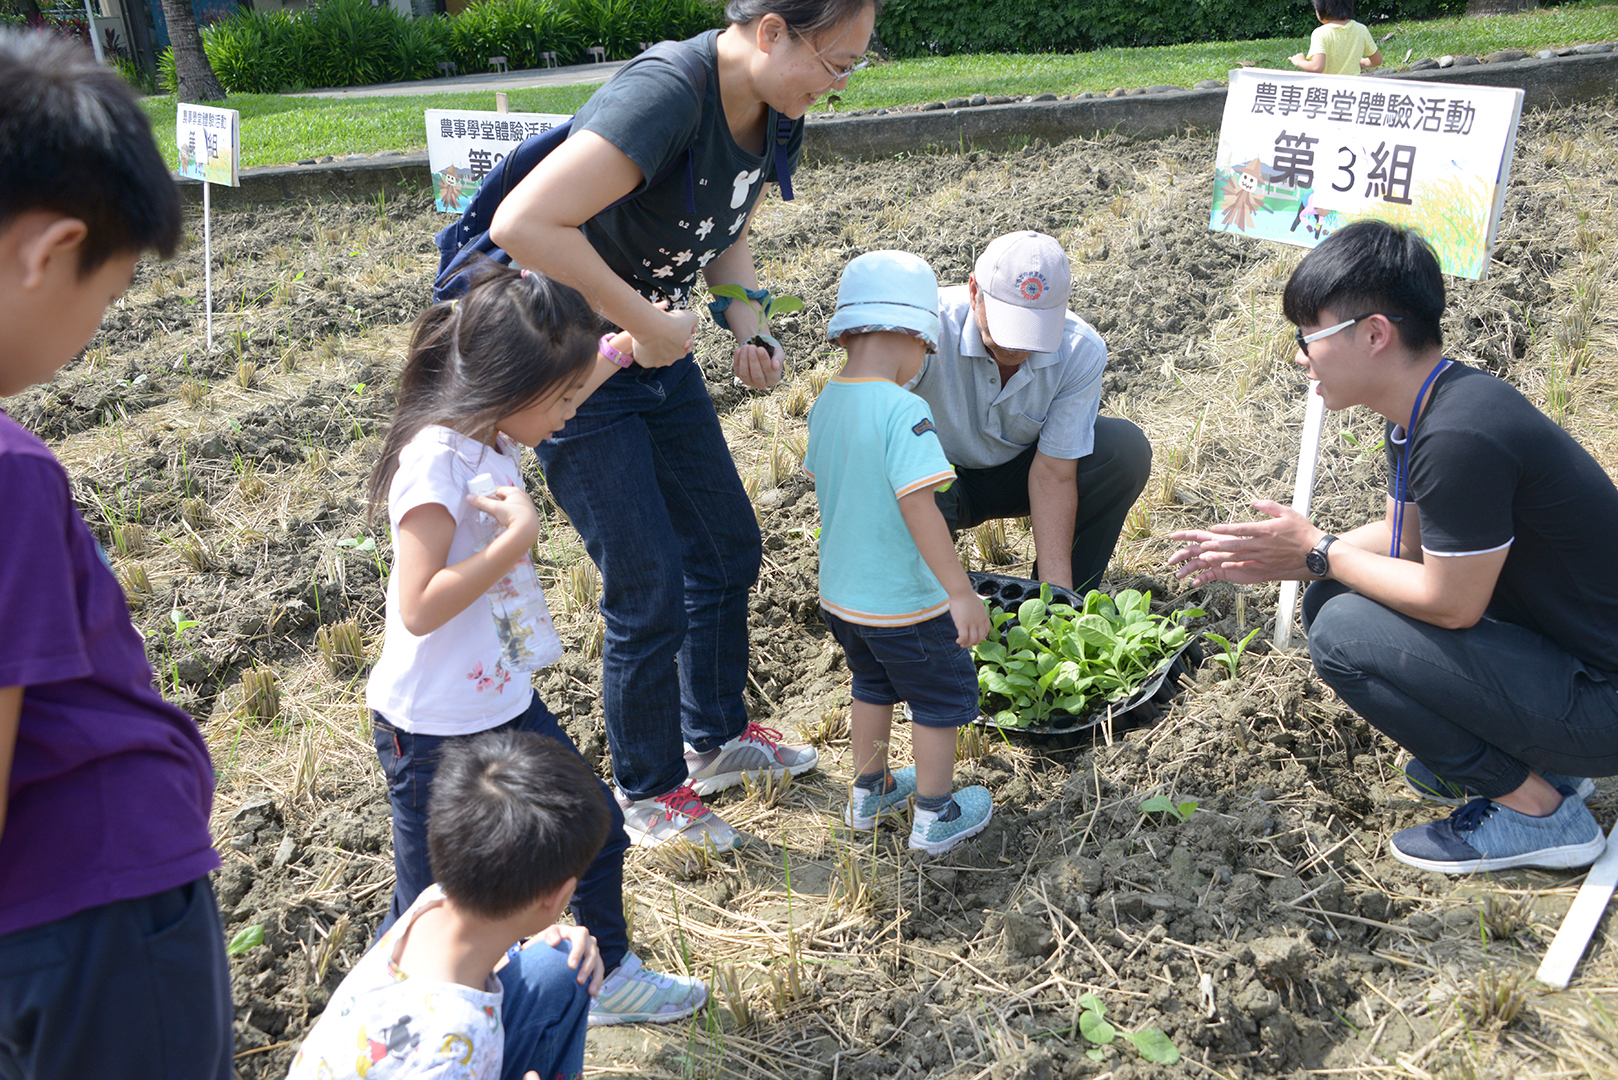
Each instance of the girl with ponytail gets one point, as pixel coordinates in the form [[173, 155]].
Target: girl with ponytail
[[503, 367]]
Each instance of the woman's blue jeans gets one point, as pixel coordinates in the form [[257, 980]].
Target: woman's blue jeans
[[645, 476], [1479, 706]]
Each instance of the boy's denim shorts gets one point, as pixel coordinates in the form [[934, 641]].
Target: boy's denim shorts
[[919, 664]]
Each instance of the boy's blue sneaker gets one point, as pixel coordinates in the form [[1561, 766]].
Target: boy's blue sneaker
[[932, 834], [866, 806], [1483, 835], [634, 995], [1434, 788]]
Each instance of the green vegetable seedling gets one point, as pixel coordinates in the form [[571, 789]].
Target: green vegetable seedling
[[1232, 656], [1153, 1045], [247, 937], [1162, 804], [778, 305], [1058, 658]]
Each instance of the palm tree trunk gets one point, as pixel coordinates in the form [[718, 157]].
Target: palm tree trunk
[[197, 80]]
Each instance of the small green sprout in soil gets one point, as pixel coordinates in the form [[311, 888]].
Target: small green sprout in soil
[[248, 937], [1153, 1045], [1162, 804], [1046, 658], [1231, 657]]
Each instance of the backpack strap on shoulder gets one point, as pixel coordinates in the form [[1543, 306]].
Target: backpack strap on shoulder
[[783, 167]]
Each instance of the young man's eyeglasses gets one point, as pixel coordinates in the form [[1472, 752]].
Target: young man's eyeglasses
[[1303, 342]]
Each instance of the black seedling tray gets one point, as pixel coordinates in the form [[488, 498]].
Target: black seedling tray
[[1161, 686]]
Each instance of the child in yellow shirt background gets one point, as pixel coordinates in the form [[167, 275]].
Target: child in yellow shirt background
[[1339, 46]]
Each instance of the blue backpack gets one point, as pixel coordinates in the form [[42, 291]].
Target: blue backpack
[[465, 243]]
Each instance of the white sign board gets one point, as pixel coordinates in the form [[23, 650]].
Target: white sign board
[[1301, 155], [462, 147], [210, 144]]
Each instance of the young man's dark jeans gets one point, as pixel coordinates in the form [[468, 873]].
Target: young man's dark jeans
[[409, 761], [130, 990], [645, 476], [1110, 478], [1479, 706]]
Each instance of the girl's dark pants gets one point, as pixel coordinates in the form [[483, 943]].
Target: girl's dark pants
[[409, 762]]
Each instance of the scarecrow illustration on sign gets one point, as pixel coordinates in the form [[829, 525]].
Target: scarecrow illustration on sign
[[1241, 197]]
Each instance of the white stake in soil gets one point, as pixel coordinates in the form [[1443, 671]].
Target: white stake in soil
[[1314, 418], [1580, 921]]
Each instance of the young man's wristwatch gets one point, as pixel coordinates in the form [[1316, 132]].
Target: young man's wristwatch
[[1316, 561]]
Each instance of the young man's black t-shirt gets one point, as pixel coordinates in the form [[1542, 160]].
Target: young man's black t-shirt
[[1488, 470], [650, 112]]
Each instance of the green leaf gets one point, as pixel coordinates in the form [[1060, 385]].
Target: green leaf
[[1095, 1053], [1018, 637], [1184, 810], [1030, 613], [246, 938], [1157, 804], [1153, 1045], [1089, 1001], [1094, 630], [735, 292], [1094, 1028], [783, 304]]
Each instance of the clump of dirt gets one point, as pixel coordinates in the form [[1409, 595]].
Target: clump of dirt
[[1264, 931]]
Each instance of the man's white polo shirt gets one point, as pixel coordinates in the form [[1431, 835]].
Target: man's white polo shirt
[[1051, 400]]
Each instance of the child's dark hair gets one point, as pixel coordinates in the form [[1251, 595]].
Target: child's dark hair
[[1368, 267], [513, 815], [805, 18], [73, 140], [1334, 9], [513, 338]]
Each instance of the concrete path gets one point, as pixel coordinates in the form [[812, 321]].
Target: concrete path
[[574, 75]]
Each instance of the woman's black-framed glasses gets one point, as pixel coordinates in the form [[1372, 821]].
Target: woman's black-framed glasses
[[1303, 342]]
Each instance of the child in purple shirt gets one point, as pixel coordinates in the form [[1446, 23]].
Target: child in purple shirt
[[112, 956]]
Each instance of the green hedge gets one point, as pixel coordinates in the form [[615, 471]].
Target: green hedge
[[355, 43], [910, 28]]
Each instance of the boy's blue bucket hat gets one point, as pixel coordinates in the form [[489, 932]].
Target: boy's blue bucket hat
[[887, 290]]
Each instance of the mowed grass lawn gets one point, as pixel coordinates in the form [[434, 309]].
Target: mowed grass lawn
[[277, 129]]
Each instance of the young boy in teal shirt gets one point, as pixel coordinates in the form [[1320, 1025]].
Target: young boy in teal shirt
[[891, 587]]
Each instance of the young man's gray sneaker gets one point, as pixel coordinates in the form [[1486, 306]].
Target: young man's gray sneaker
[[1483, 835], [756, 750], [1434, 788]]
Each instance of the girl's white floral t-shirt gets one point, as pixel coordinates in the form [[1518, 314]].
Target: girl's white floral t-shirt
[[471, 673]]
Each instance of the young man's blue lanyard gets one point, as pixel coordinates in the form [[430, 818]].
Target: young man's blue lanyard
[[1401, 472]]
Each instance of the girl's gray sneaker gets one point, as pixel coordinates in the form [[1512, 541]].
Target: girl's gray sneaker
[[1434, 788], [866, 806], [1484, 835]]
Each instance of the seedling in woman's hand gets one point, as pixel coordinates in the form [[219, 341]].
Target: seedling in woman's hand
[[777, 305]]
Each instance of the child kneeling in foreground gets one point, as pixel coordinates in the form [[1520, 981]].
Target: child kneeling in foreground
[[515, 819], [891, 586]]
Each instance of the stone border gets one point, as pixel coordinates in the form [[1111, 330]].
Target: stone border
[[1587, 73]]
